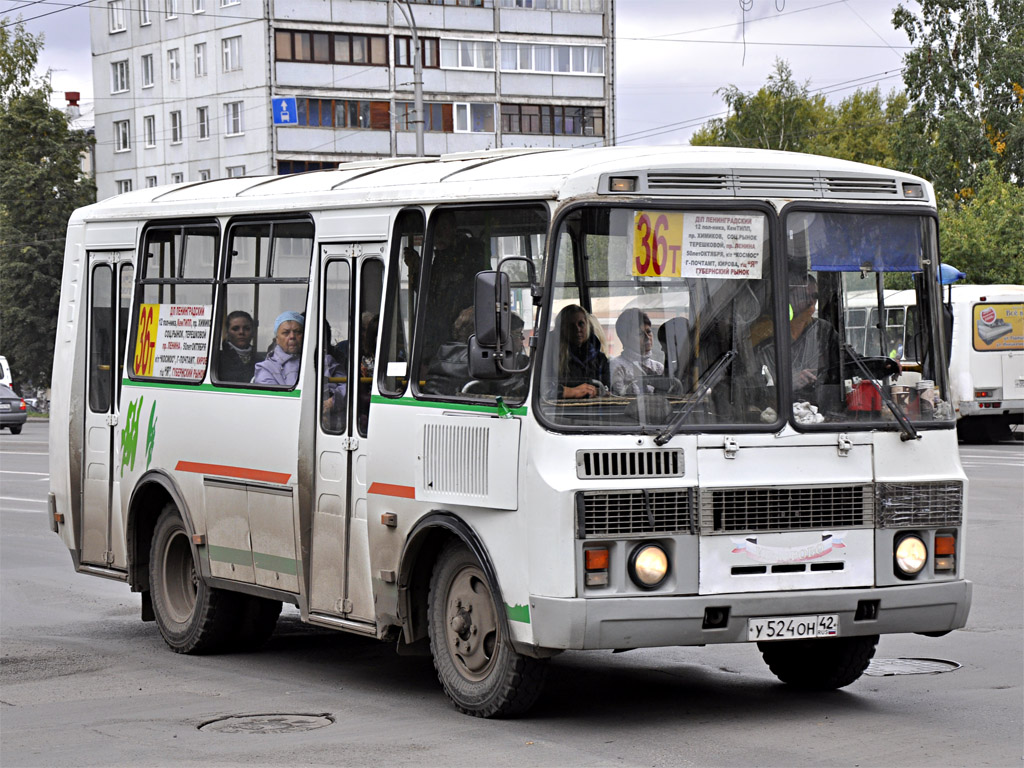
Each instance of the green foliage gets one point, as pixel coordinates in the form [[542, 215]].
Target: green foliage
[[40, 186], [861, 128], [19, 52], [965, 77], [781, 115], [984, 236]]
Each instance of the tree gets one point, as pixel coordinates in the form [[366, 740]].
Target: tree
[[861, 128], [781, 115], [984, 236], [966, 80], [40, 185]]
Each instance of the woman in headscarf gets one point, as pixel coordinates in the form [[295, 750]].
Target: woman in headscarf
[[281, 368]]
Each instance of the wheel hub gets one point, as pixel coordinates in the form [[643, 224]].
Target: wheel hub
[[472, 624]]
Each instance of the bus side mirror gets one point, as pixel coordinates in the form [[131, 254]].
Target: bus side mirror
[[490, 346]]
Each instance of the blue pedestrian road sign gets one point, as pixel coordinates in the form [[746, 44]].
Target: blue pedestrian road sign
[[285, 111]]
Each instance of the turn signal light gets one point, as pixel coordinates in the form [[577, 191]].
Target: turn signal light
[[596, 563], [945, 544]]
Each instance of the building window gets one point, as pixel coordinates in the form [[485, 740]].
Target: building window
[[149, 130], [344, 113], [569, 59], [119, 77], [552, 120], [226, 3], [584, 6], [231, 49], [151, 181], [145, 19], [202, 123], [474, 118], [177, 178], [170, 9], [200, 57], [429, 48], [176, 127], [147, 70], [173, 65], [198, 6], [233, 118], [327, 48], [115, 16], [436, 117], [235, 171], [204, 175], [123, 185], [122, 135], [467, 54]]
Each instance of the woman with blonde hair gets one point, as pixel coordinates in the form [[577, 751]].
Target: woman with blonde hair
[[582, 362]]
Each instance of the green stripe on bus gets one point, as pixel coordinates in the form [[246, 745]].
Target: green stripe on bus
[[276, 563], [231, 555], [520, 411], [519, 613], [209, 388]]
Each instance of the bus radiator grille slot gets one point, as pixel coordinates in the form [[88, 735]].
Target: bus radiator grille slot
[[736, 510], [455, 459], [898, 505], [629, 464], [632, 513]]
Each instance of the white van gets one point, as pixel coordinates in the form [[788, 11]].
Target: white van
[[5, 372], [986, 361]]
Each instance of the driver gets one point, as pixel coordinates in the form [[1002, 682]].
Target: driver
[[629, 369], [582, 363]]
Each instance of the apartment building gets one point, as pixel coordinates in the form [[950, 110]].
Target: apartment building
[[185, 89]]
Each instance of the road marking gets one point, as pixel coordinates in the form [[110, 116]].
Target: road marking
[[16, 472], [24, 453], [17, 498]]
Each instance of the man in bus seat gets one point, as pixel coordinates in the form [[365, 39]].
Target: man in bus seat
[[674, 338], [814, 347], [237, 356], [628, 370], [281, 367]]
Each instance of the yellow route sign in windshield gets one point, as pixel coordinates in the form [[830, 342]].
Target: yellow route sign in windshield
[[713, 244], [657, 244]]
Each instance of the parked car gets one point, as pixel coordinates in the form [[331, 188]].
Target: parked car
[[13, 410]]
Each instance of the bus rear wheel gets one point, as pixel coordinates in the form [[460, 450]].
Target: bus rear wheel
[[819, 665], [193, 617], [480, 671]]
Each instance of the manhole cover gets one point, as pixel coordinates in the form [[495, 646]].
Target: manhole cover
[[887, 667], [272, 723]]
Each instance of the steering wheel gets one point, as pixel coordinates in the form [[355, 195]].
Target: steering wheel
[[602, 388], [470, 385], [668, 384], [879, 367]]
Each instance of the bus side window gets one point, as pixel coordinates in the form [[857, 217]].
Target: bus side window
[[403, 289], [371, 289]]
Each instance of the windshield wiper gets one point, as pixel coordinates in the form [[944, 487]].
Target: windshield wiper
[[708, 381], [909, 433]]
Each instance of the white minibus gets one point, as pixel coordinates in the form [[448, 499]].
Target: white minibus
[[385, 394]]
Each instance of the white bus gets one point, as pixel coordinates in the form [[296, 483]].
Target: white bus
[[313, 389]]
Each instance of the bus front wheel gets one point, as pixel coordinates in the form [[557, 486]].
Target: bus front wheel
[[819, 665], [193, 618], [480, 671]]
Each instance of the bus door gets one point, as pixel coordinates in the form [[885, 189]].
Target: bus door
[[109, 285], [351, 286]]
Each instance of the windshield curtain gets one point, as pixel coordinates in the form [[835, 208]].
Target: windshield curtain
[[655, 311], [864, 319]]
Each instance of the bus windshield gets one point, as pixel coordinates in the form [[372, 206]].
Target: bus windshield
[[668, 317]]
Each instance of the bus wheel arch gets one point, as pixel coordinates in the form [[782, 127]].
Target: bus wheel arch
[[154, 491]]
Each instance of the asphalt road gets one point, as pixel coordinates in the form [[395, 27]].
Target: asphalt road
[[84, 682]]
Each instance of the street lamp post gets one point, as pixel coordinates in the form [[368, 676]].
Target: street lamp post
[[417, 73]]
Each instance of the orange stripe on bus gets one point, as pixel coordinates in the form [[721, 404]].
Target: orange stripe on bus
[[387, 489], [242, 473]]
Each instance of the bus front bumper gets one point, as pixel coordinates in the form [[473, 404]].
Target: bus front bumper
[[651, 621]]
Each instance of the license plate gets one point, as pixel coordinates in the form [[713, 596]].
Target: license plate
[[792, 627], [5, 406]]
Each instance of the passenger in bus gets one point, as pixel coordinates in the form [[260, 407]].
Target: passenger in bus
[[674, 338], [281, 368], [628, 370], [449, 370], [582, 362], [237, 357]]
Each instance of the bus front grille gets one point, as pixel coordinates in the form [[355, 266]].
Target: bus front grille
[[629, 463], [736, 510], [898, 505], [631, 513]]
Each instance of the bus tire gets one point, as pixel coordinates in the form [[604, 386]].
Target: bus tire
[[821, 664], [193, 617], [258, 617], [480, 671]]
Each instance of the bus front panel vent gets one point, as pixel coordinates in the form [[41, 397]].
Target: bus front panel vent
[[926, 505], [743, 510], [629, 464], [634, 513], [861, 187]]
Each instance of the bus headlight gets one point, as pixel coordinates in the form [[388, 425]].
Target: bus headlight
[[911, 555], [648, 566]]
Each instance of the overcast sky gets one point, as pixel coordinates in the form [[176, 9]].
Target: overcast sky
[[671, 56]]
